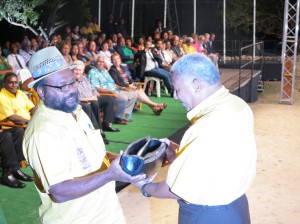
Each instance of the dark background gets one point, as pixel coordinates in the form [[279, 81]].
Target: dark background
[[209, 18]]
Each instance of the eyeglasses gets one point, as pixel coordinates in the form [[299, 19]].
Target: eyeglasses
[[66, 87], [101, 61]]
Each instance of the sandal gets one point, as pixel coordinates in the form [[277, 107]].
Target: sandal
[[157, 110]]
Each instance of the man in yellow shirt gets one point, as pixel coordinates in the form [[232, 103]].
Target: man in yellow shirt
[[71, 166], [215, 163], [15, 107], [14, 104]]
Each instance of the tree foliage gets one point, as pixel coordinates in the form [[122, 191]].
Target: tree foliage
[[21, 13], [269, 16], [42, 16]]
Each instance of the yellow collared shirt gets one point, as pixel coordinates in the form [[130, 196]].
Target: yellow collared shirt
[[219, 163], [60, 148], [11, 104]]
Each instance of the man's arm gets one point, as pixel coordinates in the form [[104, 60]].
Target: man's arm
[[157, 190], [17, 119], [78, 187], [107, 91]]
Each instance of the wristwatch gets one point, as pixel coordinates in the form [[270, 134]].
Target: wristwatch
[[143, 190]]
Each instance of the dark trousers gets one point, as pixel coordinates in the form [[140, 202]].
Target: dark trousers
[[162, 74], [11, 148], [92, 109], [107, 105], [237, 212]]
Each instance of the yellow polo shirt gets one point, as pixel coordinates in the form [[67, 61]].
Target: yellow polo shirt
[[219, 163], [60, 148], [11, 104]]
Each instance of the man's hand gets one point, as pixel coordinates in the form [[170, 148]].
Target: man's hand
[[139, 184], [170, 151], [115, 170]]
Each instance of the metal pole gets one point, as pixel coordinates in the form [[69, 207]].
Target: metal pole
[[99, 13], [165, 13], [195, 9], [132, 18], [254, 27], [224, 31]]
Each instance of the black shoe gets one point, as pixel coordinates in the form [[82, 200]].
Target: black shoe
[[119, 121], [9, 180], [21, 176], [106, 142], [127, 120], [102, 133], [111, 129]]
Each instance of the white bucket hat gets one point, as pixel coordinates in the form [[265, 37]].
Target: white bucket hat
[[46, 62]]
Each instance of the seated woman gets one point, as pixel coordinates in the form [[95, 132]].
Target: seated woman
[[4, 66], [92, 51], [64, 48], [124, 82], [106, 54]]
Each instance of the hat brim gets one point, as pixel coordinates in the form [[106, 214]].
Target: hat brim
[[30, 85]]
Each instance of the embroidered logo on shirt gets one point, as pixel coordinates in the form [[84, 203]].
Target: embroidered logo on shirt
[[86, 166]]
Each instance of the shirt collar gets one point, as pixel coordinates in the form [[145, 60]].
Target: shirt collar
[[206, 106], [5, 91]]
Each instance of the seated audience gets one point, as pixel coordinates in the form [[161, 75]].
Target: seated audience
[[64, 48], [120, 27], [129, 44], [188, 46], [4, 66], [91, 103], [111, 46], [127, 57], [104, 84], [11, 155], [95, 26], [168, 50], [86, 28], [176, 48], [208, 46], [141, 43], [106, 54], [75, 34], [161, 53], [149, 66], [92, 50], [195, 42], [124, 82], [14, 104], [16, 61]]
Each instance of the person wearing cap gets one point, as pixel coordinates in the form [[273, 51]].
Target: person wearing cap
[[72, 169], [215, 163]]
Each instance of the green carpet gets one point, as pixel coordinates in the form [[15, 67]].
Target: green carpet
[[21, 205]]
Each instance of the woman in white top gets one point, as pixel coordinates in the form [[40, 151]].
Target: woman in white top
[[106, 54]]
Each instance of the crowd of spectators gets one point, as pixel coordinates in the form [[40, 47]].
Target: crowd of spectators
[[110, 66]]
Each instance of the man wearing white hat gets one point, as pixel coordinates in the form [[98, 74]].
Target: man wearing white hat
[[72, 170]]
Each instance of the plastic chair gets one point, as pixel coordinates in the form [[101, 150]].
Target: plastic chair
[[158, 85]]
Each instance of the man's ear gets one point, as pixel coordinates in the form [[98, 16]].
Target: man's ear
[[196, 84]]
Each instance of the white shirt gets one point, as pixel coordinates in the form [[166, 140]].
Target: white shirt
[[151, 63], [14, 63], [107, 58]]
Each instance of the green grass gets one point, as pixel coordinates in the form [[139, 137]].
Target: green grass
[[21, 205]]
